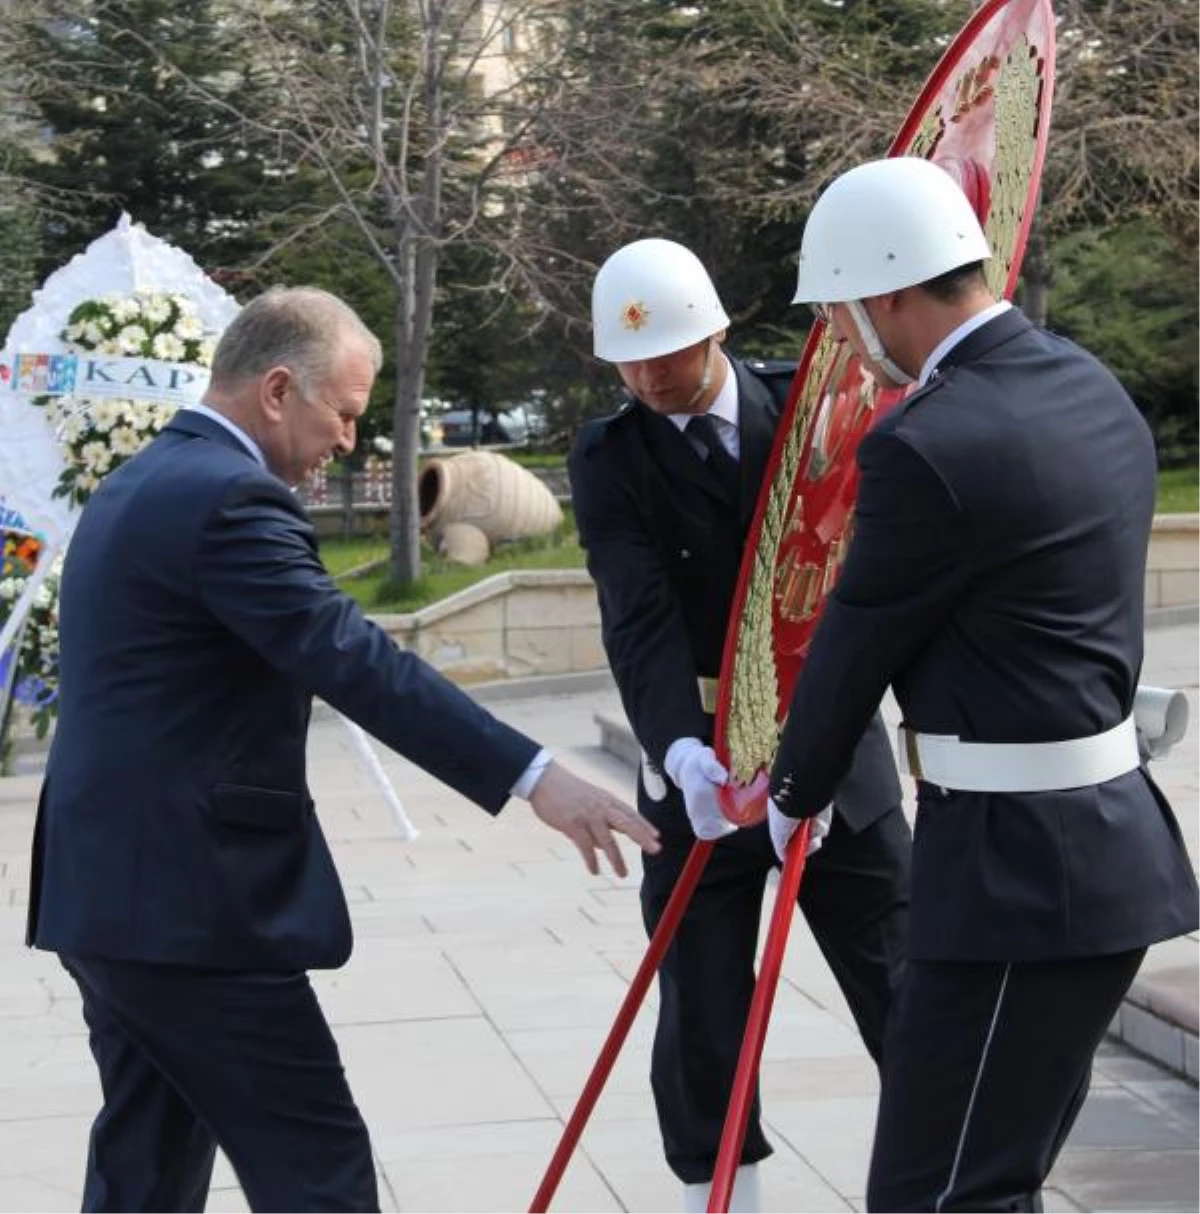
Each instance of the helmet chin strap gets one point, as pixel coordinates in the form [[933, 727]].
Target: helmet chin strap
[[705, 379], [875, 350]]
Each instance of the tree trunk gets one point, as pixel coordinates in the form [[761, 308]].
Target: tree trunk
[[347, 487], [1037, 274], [404, 526], [414, 315]]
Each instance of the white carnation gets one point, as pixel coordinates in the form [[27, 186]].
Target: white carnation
[[85, 482], [131, 339], [72, 429], [124, 441], [96, 457], [105, 414], [189, 328], [124, 309], [167, 346], [139, 414], [204, 355], [43, 598], [156, 309], [10, 588], [91, 332]]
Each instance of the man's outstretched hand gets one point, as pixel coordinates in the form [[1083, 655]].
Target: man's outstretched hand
[[588, 815]]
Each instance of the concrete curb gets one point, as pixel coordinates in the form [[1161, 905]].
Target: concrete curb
[[577, 682], [504, 690], [1169, 617], [1158, 1018]]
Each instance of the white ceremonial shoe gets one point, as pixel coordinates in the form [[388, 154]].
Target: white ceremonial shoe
[[744, 1199]]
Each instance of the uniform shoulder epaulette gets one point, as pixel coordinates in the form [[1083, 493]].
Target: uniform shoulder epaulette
[[776, 373], [594, 430], [923, 393]]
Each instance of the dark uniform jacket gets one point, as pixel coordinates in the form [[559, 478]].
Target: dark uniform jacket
[[175, 822], [995, 580], [665, 544]]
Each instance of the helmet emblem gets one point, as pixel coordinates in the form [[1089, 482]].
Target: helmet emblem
[[634, 315]]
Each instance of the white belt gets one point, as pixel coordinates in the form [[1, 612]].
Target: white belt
[[1019, 766]]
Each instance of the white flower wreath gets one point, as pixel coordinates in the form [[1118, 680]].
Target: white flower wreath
[[35, 679], [100, 435]]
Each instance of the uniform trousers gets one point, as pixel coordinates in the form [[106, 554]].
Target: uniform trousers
[[191, 1059], [854, 896], [985, 1068]]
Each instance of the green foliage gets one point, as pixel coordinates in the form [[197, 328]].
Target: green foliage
[[1126, 295], [713, 123], [473, 358], [20, 250], [1179, 490], [143, 99]]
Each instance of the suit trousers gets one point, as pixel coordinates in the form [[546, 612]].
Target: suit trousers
[[192, 1059], [985, 1068], [855, 898]]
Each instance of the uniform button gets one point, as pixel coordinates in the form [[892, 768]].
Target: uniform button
[[683, 552]]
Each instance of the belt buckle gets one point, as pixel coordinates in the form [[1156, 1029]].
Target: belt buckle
[[912, 752]]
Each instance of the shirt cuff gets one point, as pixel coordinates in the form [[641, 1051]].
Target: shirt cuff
[[527, 782]]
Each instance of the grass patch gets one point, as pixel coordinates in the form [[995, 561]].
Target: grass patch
[[376, 592], [1179, 490], [340, 555], [538, 459]]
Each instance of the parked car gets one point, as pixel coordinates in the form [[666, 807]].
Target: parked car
[[482, 428]]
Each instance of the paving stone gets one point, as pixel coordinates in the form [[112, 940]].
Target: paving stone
[[1116, 1117], [487, 971], [1127, 1179]]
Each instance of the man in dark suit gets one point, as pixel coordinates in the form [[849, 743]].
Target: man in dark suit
[[663, 514], [995, 581], [178, 867]]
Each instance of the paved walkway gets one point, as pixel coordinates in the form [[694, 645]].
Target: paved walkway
[[487, 970]]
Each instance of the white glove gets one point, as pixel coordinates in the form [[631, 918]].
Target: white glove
[[782, 828], [697, 773]]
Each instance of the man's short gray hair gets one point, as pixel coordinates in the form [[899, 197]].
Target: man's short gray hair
[[301, 328]]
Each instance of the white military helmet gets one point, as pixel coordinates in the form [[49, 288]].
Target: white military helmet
[[886, 225], [652, 297]]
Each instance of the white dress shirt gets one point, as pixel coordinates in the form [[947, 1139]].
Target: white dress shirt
[[954, 337]]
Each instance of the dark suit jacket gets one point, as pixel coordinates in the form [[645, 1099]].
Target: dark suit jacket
[[995, 580], [664, 545], [175, 823]]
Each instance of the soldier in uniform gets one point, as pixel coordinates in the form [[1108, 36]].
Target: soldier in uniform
[[664, 492], [995, 581]]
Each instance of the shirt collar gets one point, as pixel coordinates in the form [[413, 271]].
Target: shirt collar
[[956, 335], [232, 427], [725, 406]]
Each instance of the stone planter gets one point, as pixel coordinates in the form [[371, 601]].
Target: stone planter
[[1173, 562]]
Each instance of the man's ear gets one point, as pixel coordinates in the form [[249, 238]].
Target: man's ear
[[272, 389], [720, 335]]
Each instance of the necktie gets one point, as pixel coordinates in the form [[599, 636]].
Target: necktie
[[719, 460]]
